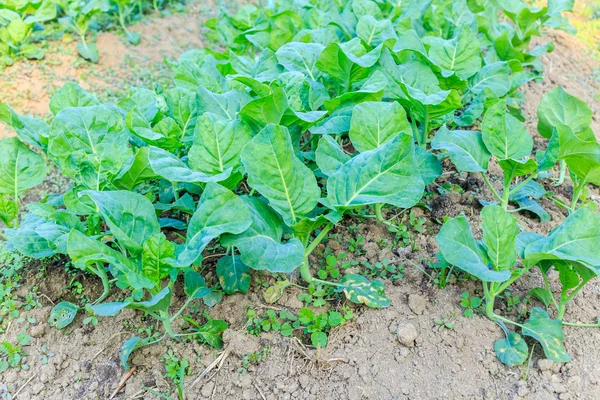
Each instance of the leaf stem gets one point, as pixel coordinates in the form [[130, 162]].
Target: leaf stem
[[523, 183], [318, 239], [166, 321], [509, 282], [379, 215], [596, 325], [178, 313], [494, 192], [549, 289], [577, 189]]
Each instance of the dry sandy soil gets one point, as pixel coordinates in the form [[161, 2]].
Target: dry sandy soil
[[395, 353]]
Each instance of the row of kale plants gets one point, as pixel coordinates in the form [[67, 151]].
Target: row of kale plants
[[315, 109]]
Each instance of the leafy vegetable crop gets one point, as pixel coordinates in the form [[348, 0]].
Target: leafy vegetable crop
[[314, 110]]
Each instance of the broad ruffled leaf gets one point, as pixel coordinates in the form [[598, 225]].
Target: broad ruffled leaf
[[549, 333], [20, 168], [71, 95], [504, 135], [130, 216], [576, 239], [430, 168], [560, 108], [30, 130], [220, 211], [89, 254], [195, 286], [460, 55], [260, 245], [582, 156], [266, 110], [373, 32], [218, 144], [347, 62], [157, 257], [159, 302], [384, 175], [233, 274], [136, 171], [375, 123], [459, 248], [301, 57], [465, 148], [173, 169], [212, 332], [183, 109], [226, 105], [277, 173], [499, 235], [89, 144], [330, 156], [495, 77]]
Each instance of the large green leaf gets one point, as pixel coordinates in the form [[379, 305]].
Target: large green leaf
[[383, 175], [576, 239], [20, 168], [375, 123], [549, 333], [495, 77], [89, 254], [459, 248], [373, 32], [220, 211], [559, 107], [460, 55], [89, 144], [194, 285], [173, 169], [218, 144], [166, 134], [136, 171], [504, 135], [265, 110], [71, 95], [329, 155], [226, 105], [31, 130], [260, 245], [301, 57], [183, 109], [581, 155], [130, 216], [347, 62], [279, 175], [499, 235], [157, 257], [233, 274], [465, 149]]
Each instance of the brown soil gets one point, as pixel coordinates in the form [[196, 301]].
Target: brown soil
[[394, 353]]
